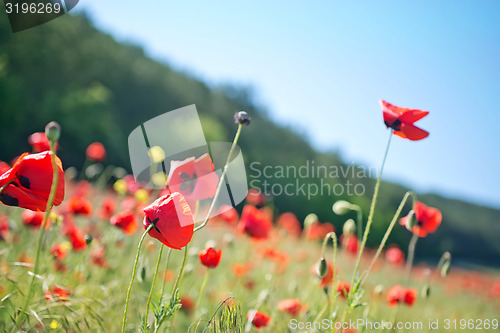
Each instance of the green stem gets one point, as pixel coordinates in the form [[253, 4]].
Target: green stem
[[370, 215], [360, 221], [202, 290], [166, 270], [133, 276], [153, 287], [388, 232], [221, 180], [55, 177], [411, 255], [177, 281]]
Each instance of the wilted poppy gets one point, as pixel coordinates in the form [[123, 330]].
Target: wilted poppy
[[343, 288], [210, 257], [194, 178], [398, 295], [254, 222], [96, 152], [126, 220], [427, 218], [292, 306], [259, 319], [29, 181], [401, 121], [80, 206], [34, 219], [39, 142], [172, 220], [395, 256]]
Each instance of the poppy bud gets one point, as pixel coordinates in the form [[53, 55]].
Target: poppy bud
[[242, 118], [426, 291], [310, 220], [411, 221], [53, 131], [445, 269], [341, 207], [378, 290], [142, 276], [88, 239], [321, 268], [325, 290], [349, 227]]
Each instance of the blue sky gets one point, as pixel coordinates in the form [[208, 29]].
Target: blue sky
[[321, 66]]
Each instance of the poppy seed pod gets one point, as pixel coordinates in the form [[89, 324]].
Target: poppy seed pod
[[242, 118], [53, 131], [349, 227], [341, 207], [445, 269], [321, 268]]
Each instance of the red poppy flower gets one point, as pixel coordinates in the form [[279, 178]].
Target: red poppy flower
[[228, 214], [427, 218], [80, 206], [172, 219], [74, 234], [292, 306], [107, 209], [350, 243], [96, 152], [254, 222], [29, 181], [395, 256], [401, 121], [59, 251], [98, 257], [241, 269], [289, 222], [187, 304], [34, 219], [194, 178], [4, 226], [259, 319], [256, 197], [57, 294], [127, 221], [398, 294], [39, 142], [210, 257], [343, 288], [318, 230]]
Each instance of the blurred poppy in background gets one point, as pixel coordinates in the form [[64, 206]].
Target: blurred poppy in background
[[427, 218]]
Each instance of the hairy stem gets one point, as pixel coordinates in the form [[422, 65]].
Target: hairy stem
[[153, 287], [133, 276]]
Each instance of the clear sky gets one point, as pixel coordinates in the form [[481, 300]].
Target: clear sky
[[321, 66]]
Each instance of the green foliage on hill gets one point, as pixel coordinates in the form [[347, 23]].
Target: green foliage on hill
[[100, 90]]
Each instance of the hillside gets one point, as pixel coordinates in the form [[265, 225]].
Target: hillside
[[99, 90]]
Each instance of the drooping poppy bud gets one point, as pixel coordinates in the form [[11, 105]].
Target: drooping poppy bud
[[349, 227], [341, 207], [411, 220], [322, 267]]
